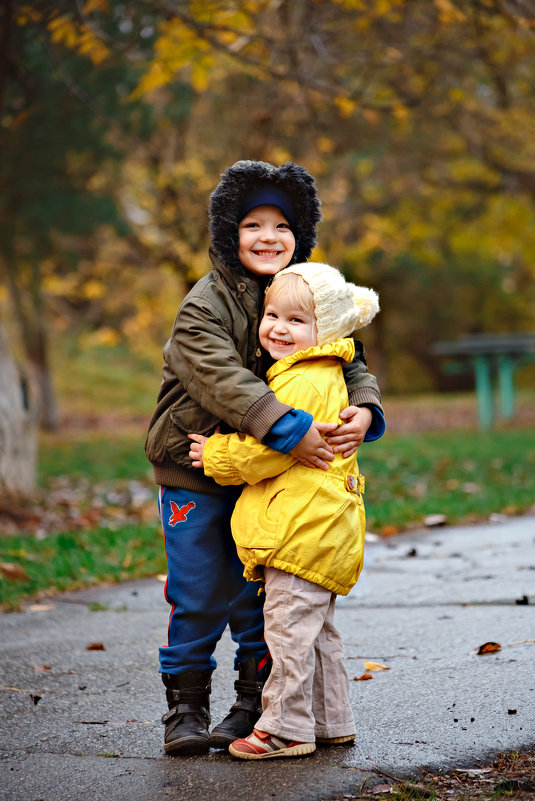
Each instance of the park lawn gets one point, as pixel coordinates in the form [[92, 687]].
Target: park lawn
[[104, 483]]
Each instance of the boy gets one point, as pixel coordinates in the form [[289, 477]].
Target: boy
[[262, 218], [300, 530]]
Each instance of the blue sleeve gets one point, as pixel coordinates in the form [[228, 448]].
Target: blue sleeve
[[377, 425], [289, 430]]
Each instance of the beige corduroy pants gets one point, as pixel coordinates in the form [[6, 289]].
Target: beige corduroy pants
[[307, 693]]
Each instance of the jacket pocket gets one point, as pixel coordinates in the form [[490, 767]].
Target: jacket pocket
[[186, 417], [259, 512]]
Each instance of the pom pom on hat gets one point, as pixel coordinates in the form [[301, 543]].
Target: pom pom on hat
[[339, 307]]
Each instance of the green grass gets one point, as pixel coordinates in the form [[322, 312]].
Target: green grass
[[103, 380], [94, 456], [66, 561], [465, 475]]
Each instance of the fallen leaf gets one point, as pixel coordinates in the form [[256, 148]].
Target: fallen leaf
[[35, 698], [95, 646], [489, 647], [364, 677], [40, 607], [389, 530], [13, 571], [42, 668], [381, 788], [375, 666]]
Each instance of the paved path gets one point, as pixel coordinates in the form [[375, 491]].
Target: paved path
[[84, 724]]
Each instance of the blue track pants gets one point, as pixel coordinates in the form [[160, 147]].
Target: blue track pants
[[205, 585]]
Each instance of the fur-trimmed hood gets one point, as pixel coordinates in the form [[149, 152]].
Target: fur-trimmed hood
[[247, 176]]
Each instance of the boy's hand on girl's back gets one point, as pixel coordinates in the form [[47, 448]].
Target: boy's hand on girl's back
[[350, 436], [312, 450]]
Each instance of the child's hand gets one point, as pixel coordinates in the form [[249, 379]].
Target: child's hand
[[196, 448], [348, 437], [312, 450]]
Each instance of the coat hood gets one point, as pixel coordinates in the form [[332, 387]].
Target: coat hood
[[245, 177]]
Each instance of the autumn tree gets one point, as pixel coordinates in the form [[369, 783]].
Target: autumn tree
[[62, 118], [416, 118]]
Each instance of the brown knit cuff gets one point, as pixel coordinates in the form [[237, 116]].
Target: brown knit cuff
[[263, 415], [365, 396]]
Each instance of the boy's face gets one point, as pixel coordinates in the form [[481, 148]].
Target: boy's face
[[285, 329], [267, 242]]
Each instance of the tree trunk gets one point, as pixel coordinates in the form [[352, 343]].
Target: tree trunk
[[18, 430]]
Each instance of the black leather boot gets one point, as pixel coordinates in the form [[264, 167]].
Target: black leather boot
[[244, 713], [188, 719]]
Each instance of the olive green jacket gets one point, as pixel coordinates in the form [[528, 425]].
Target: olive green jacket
[[213, 374]]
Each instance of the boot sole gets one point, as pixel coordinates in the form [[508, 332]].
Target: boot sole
[[297, 750], [187, 746], [222, 740]]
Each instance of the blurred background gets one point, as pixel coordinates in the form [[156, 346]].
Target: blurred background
[[116, 119]]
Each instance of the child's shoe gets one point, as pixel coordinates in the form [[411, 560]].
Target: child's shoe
[[261, 745], [348, 738]]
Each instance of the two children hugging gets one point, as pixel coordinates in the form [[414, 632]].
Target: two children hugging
[[301, 531], [262, 219]]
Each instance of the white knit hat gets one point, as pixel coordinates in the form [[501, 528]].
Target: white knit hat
[[339, 307]]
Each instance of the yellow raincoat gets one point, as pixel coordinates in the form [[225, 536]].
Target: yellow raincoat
[[301, 520]]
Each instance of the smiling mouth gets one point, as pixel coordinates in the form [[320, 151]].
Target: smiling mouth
[[267, 252], [280, 342]]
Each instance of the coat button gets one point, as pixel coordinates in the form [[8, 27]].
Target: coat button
[[242, 287]]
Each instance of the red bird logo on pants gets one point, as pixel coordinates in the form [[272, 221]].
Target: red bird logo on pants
[[180, 515]]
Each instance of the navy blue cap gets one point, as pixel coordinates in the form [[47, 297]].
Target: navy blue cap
[[268, 196]]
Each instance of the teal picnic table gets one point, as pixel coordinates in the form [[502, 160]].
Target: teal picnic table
[[493, 358]]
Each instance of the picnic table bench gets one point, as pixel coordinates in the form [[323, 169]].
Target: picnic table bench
[[493, 359]]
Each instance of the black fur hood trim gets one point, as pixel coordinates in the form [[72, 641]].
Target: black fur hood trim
[[247, 176]]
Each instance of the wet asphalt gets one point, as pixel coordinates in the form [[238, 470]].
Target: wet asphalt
[[82, 698]]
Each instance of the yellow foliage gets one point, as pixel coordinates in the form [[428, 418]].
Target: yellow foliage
[[325, 144], [94, 289], [26, 14], [79, 38], [346, 107], [177, 48], [279, 155], [379, 8], [96, 5], [400, 112], [456, 94], [103, 336], [449, 12], [63, 31]]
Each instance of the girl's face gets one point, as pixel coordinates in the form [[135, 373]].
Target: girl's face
[[285, 328], [267, 242]]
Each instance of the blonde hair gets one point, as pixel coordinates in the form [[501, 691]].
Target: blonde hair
[[294, 287]]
